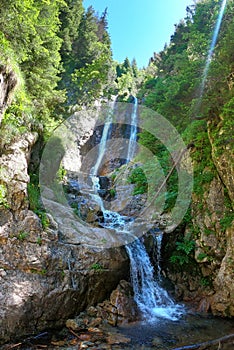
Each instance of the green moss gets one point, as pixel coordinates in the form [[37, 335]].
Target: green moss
[[209, 232]]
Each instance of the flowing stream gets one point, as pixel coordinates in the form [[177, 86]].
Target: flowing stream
[[153, 301]]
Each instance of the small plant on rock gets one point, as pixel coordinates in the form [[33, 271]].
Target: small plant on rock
[[96, 267], [22, 235]]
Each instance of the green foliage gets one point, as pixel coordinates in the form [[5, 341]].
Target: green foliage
[[174, 91], [43, 217], [96, 267], [187, 246], [39, 241], [129, 78], [202, 256], [227, 220], [138, 178], [206, 281], [183, 253], [22, 235], [39, 272], [61, 174], [28, 32], [34, 196], [91, 79], [204, 169], [35, 203], [86, 54], [112, 192]]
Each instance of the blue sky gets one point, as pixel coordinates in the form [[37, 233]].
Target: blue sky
[[140, 27]]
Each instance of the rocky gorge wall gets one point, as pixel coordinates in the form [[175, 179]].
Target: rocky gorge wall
[[207, 277], [46, 275]]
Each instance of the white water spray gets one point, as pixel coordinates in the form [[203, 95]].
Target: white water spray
[[152, 300]]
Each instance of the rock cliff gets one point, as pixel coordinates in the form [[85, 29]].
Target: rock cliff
[[8, 82], [206, 275], [47, 275]]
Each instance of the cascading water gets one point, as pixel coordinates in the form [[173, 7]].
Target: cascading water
[[133, 132], [111, 219], [102, 146], [153, 301]]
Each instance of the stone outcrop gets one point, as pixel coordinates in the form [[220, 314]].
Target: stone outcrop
[[222, 303], [8, 82], [47, 275], [45, 282], [120, 308]]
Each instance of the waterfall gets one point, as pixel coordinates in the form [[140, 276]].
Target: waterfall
[[133, 132], [112, 219], [152, 300], [102, 146]]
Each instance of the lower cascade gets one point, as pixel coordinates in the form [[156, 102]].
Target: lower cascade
[[151, 298]]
